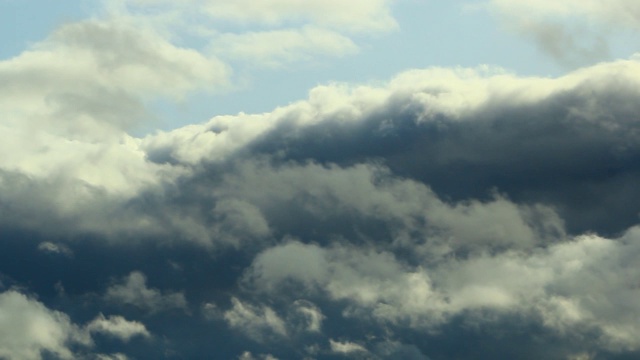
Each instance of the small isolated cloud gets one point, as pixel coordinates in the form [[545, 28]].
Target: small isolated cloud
[[54, 248], [346, 347], [117, 326], [133, 291], [257, 322]]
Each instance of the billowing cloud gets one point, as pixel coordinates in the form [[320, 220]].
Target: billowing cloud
[[564, 285], [373, 221], [112, 63], [28, 328]]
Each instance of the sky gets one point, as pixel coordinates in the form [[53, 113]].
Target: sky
[[319, 179]]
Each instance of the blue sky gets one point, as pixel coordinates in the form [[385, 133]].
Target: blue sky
[[319, 179]]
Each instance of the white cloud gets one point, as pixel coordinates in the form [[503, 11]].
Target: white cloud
[[585, 283], [27, 328], [345, 347], [330, 193], [258, 323], [134, 291], [357, 15], [95, 183], [312, 316], [50, 247], [93, 75], [306, 263], [279, 47], [118, 327], [68, 100], [268, 33]]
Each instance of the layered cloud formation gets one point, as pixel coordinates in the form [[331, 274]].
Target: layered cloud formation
[[448, 213]]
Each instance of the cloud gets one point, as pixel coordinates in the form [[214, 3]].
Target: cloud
[[258, 323], [28, 328], [307, 316], [358, 15], [424, 125], [345, 347], [55, 248], [70, 82], [279, 47], [573, 285], [443, 204], [134, 291], [117, 356], [617, 12], [118, 327], [273, 33], [248, 356], [573, 32]]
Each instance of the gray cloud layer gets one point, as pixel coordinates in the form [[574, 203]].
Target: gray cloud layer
[[446, 206]]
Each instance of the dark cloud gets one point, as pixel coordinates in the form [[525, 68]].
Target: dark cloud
[[449, 214]]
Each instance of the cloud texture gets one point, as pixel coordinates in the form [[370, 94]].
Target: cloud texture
[[448, 213]]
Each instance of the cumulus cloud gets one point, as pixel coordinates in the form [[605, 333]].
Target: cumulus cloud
[[258, 323], [112, 64], [28, 328], [424, 125], [134, 291], [573, 285], [445, 201], [118, 327]]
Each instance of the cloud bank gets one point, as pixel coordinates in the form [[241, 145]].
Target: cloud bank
[[447, 213]]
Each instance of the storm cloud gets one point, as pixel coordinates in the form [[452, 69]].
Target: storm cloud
[[460, 213]]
